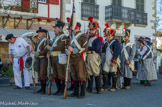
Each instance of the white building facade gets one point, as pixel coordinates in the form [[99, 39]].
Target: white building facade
[[136, 15]]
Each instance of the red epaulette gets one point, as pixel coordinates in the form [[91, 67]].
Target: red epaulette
[[101, 38]]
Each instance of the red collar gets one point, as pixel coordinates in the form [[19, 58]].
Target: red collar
[[95, 36], [14, 40]]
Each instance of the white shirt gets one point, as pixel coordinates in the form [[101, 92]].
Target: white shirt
[[18, 49]]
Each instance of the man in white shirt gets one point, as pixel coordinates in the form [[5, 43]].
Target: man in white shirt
[[19, 49]]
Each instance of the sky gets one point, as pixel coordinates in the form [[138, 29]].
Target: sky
[[159, 14]]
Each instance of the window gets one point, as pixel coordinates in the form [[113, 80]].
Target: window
[[140, 5], [89, 9], [125, 13], [108, 13], [44, 1], [89, 1], [117, 2]]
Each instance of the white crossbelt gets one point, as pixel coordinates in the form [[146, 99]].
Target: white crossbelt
[[131, 65], [58, 38], [44, 39], [76, 42], [150, 51]]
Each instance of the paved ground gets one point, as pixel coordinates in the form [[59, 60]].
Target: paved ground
[[138, 96]]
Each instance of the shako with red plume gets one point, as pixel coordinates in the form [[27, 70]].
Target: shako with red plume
[[92, 24]]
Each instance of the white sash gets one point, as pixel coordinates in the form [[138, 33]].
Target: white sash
[[91, 41], [106, 66], [44, 39], [76, 37], [58, 38], [76, 42], [131, 65], [150, 51], [128, 44]]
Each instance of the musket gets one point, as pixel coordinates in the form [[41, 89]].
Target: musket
[[33, 70], [68, 61], [33, 76], [49, 69], [67, 72]]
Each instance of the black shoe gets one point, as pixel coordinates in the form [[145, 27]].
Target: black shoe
[[149, 83], [27, 88], [81, 97], [71, 88], [141, 82], [39, 91], [17, 87], [59, 94], [43, 92], [98, 92], [89, 91], [73, 95], [56, 92]]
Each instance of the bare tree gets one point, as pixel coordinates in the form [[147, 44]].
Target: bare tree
[[159, 16]]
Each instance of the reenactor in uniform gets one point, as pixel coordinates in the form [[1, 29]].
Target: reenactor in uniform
[[94, 56], [41, 59], [79, 46], [140, 74], [128, 51], [112, 61], [148, 66], [57, 51]]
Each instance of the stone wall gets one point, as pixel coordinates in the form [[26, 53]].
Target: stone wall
[[4, 52]]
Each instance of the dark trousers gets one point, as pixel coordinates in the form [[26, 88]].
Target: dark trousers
[[127, 81]]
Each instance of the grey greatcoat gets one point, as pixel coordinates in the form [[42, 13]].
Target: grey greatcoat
[[131, 50]]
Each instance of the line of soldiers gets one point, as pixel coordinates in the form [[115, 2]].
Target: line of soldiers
[[90, 56]]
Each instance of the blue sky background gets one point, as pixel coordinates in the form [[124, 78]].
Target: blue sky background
[[159, 14]]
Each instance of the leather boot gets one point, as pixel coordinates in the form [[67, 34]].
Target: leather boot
[[40, 90], [76, 90], [125, 83], [98, 87], [58, 86], [128, 84], [109, 79], [114, 80], [105, 83], [90, 84], [62, 87], [44, 87], [82, 91], [149, 83]]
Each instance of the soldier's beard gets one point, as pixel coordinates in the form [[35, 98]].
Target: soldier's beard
[[91, 35]]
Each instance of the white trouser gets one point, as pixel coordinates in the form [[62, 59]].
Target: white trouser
[[17, 73]]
